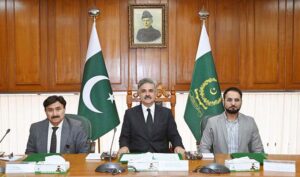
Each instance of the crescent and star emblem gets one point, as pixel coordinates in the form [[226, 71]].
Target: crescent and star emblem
[[213, 91], [86, 92]]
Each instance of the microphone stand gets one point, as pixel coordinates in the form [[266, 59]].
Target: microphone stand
[[2, 169], [111, 167], [7, 131]]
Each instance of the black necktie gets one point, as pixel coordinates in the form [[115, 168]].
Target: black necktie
[[53, 140], [149, 122]]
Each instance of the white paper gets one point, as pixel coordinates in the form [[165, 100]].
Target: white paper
[[150, 157], [54, 159], [242, 164], [280, 165], [13, 158], [21, 167], [208, 156], [93, 156], [180, 165], [143, 165]]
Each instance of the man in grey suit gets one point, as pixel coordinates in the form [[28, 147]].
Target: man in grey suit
[[57, 133], [231, 131], [149, 127]]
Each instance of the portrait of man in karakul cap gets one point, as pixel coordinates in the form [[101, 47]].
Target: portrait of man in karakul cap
[[147, 33]]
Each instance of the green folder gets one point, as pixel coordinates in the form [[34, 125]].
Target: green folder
[[37, 157], [256, 156]]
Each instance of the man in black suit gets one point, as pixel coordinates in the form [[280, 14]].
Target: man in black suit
[[149, 127]]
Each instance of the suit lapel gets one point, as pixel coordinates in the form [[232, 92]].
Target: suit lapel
[[141, 121], [65, 132], [44, 136], [224, 129], [157, 114], [241, 132]]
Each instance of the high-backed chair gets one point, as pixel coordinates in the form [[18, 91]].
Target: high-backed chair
[[87, 126], [163, 96]]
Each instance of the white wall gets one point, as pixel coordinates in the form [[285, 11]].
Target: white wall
[[276, 114]]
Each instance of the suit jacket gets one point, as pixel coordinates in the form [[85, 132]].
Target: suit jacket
[[73, 137], [215, 135], [135, 136]]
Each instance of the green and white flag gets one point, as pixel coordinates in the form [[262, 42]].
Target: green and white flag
[[205, 99], [96, 100]]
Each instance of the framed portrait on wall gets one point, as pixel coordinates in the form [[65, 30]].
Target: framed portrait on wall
[[147, 25]]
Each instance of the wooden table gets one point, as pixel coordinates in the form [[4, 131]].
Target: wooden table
[[81, 167]]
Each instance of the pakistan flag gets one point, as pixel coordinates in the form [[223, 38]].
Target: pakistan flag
[[205, 99], [96, 100]]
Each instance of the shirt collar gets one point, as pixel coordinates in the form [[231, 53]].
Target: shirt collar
[[59, 125], [235, 121], [152, 108]]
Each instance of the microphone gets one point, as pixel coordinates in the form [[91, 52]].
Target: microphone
[[110, 150], [2, 169], [7, 131], [212, 140], [111, 167], [213, 143]]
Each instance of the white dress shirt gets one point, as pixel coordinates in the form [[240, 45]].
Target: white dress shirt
[[58, 136]]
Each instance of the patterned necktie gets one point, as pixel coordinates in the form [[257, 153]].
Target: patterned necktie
[[149, 122], [53, 140]]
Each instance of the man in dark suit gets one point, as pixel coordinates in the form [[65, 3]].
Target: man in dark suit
[[57, 133], [149, 127]]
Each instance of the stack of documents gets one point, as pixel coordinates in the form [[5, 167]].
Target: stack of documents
[[280, 165], [155, 162], [12, 158], [93, 156], [242, 164], [208, 156], [19, 167], [52, 164]]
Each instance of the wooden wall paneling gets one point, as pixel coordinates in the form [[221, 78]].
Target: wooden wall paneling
[[164, 52], [124, 50], [293, 45], [27, 68], [111, 31], [148, 64], [132, 80], [3, 47], [188, 27], [172, 46], [227, 40], [266, 55], [66, 24]]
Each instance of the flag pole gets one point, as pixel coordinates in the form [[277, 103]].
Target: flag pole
[[203, 14], [94, 13], [110, 167]]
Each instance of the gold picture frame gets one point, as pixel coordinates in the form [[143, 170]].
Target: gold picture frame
[[147, 25]]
